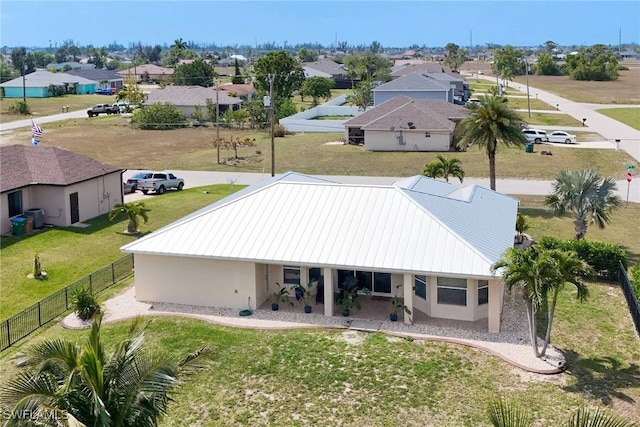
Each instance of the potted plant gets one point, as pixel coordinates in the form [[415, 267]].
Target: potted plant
[[348, 297], [306, 296], [397, 305], [281, 295]]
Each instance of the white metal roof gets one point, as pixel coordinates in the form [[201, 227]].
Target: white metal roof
[[300, 220]]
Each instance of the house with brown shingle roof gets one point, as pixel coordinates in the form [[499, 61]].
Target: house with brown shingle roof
[[148, 73], [187, 98], [406, 124], [67, 187]]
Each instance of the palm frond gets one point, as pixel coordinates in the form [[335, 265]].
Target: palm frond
[[597, 418], [505, 414]]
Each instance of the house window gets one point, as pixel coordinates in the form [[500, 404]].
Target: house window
[[291, 275], [483, 292], [452, 291], [420, 286], [427, 135], [15, 203]]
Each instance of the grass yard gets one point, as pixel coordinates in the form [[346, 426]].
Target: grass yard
[[111, 140], [47, 106], [521, 103], [628, 116], [549, 119], [68, 254]]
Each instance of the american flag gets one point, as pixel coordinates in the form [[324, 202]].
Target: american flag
[[36, 130]]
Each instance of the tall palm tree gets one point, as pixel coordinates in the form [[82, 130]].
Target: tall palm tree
[[525, 270], [85, 385], [522, 225], [132, 210], [565, 267], [490, 123], [588, 195], [443, 168]]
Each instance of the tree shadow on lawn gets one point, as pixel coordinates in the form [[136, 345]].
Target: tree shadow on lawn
[[601, 377]]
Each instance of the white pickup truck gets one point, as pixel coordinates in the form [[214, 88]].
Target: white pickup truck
[[160, 182]]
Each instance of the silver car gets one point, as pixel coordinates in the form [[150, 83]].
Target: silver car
[[562, 137]]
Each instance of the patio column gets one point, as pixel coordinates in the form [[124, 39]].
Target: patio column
[[496, 292], [408, 297], [328, 292]]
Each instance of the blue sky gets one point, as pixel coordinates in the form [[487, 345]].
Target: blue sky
[[392, 23]]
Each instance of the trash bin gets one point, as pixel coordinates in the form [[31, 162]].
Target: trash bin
[[28, 225], [529, 148], [17, 225]]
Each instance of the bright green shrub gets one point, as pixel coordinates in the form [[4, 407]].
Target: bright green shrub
[[159, 117], [85, 304], [634, 277]]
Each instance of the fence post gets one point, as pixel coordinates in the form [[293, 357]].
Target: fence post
[[8, 335], [66, 298], [113, 273], [90, 287], [39, 315]]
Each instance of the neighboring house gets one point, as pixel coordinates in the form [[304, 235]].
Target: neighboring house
[[436, 240], [36, 85], [417, 85], [187, 98], [69, 65], [112, 79], [628, 54], [326, 67], [240, 90], [147, 73], [413, 65], [461, 92], [406, 124], [69, 187]]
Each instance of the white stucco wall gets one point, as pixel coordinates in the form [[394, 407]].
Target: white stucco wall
[[413, 141], [195, 281]]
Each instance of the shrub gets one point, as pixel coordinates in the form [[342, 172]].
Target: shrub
[[279, 131], [634, 277], [19, 107], [85, 303], [159, 117], [603, 257]]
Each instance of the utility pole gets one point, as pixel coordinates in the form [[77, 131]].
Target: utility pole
[[24, 84], [217, 120], [271, 108], [526, 71]]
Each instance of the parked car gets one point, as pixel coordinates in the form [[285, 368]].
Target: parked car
[[98, 109], [138, 177], [104, 91], [160, 182], [128, 188], [536, 136], [562, 136]]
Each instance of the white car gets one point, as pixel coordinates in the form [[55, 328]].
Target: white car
[[535, 135], [562, 136]]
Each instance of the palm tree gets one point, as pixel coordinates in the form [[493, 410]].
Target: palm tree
[[132, 210], [522, 225], [566, 267], [524, 269], [588, 195], [443, 168], [491, 122], [86, 385]]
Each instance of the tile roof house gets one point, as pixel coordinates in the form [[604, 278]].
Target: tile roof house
[[68, 186], [147, 73], [112, 78], [187, 98], [36, 84], [417, 85], [435, 240], [406, 124]]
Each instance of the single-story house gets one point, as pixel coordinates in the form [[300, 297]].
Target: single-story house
[[406, 124], [240, 90], [461, 92], [112, 80], [70, 65], [187, 98], [147, 73], [36, 85], [417, 85], [67, 187], [326, 67], [407, 66], [435, 240]]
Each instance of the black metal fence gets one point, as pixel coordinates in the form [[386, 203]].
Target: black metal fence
[[22, 324], [630, 295]]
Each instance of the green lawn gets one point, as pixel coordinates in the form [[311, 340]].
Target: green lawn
[[549, 119], [628, 116], [47, 106]]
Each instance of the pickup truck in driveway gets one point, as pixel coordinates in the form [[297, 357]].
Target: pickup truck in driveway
[[102, 109], [160, 182]]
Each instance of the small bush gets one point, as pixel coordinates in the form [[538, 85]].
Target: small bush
[[19, 107], [634, 277], [279, 131], [85, 303], [159, 117], [603, 257]]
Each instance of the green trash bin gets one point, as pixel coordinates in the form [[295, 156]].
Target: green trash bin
[[17, 225], [529, 148]]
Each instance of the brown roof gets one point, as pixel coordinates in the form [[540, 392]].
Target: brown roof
[[240, 89], [425, 114], [429, 67], [190, 96], [151, 69], [23, 165]]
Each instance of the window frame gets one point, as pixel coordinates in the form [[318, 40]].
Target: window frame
[[14, 203], [449, 292], [292, 269], [483, 292]]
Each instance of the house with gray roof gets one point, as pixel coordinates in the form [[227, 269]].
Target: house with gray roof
[[67, 187], [406, 124], [428, 242], [187, 98], [37, 85], [327, 67], [147, 73], [417, 85], [107, 79]]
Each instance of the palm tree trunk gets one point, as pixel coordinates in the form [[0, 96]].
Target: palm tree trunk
[[531, 316], [580, 228], [492, 167], [547, 336]]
